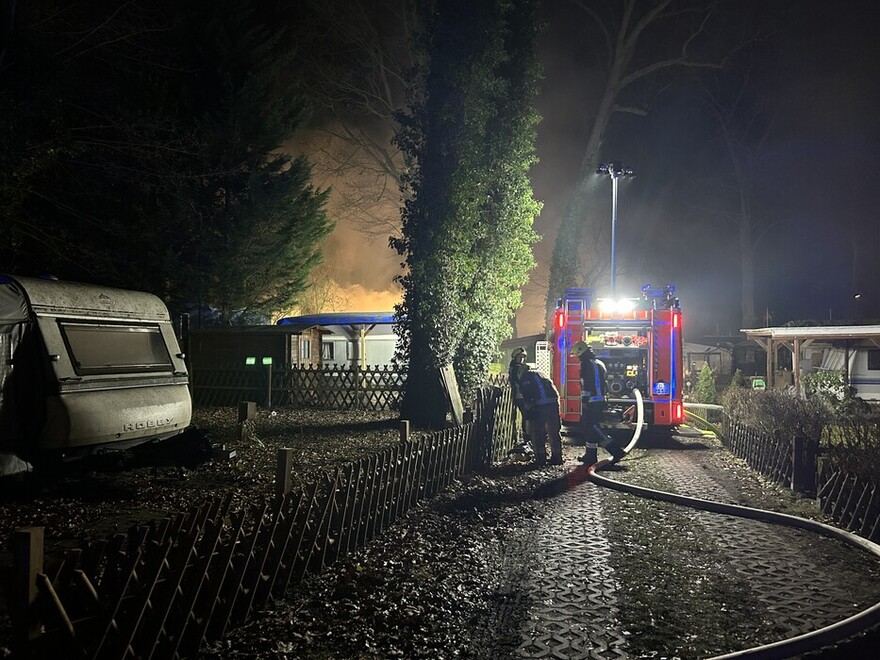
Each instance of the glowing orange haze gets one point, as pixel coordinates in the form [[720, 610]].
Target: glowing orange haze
[[365, 206], [365, 300]]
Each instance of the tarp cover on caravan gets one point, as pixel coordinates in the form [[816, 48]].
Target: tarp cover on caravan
[[833, 360], [14, 320], [15, 328], [13, 303]]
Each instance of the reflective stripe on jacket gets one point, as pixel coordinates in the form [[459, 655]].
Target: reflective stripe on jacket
[[593, 384]]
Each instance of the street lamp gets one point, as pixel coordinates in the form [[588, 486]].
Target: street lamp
[[615, 170]]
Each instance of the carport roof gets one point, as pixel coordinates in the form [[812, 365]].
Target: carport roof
[[287, 329], [795, 339], [816, 332]]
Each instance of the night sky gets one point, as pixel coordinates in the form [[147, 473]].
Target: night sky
[[814, 192], [818, 70]]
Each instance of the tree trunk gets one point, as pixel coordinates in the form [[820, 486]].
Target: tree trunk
[[424, 403], [747, 277]]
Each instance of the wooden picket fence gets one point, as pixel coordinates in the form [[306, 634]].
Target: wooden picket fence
[[768, 454], [373, 387], [165, 589], [851, 500]]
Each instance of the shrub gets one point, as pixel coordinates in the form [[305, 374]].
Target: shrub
[[853, 444], [830, 387], [738, 380], [706, 392], [849, 434], [776, 412]]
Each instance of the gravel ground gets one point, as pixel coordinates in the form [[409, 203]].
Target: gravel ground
[[452, 580], [449, 580], [89, 504], [436, 585]]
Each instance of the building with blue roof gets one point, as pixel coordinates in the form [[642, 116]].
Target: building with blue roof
[[352, 338]]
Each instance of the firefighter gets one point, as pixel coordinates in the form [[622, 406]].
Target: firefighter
[[515, 370], [517, 367], [594, 389], [540, 401]]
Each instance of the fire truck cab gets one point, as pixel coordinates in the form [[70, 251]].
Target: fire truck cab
[[639, 340]]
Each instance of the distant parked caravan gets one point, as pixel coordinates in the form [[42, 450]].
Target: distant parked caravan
[[86, 369]]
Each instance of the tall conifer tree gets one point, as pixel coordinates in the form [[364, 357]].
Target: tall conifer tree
[[147, 157]]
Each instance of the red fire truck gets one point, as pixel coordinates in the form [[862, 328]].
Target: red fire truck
[[638, 339]]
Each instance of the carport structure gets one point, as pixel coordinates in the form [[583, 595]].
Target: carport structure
[[798, 339], [355, 326]]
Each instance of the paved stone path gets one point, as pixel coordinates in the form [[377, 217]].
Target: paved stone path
[[804, 581]]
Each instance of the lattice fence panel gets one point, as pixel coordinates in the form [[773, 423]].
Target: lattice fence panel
[[851, 500], [375, 387], [228, 385]]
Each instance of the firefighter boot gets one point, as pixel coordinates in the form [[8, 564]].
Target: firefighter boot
[[555, 451], [616, 453], [540, 454], [608, 444], [590, 455]]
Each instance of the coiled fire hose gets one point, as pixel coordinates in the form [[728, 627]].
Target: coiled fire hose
[[640, 418], [786, 648]]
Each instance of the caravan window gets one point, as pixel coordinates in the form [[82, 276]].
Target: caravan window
[[115, 349], [873, 359]]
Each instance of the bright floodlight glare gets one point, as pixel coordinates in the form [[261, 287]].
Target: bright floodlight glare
[[626, 305], [616, 306]]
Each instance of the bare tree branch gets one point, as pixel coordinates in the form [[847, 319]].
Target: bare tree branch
[[600, 22]]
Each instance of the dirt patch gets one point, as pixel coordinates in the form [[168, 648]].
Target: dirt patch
[[82, 505]]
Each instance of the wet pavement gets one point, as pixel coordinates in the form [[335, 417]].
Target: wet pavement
[[517, 561], [796, 581]]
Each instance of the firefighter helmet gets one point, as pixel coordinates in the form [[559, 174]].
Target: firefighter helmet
[[518, 351], [580, 348]]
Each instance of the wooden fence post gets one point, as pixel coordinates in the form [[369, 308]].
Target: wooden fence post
[[404, 430], [27, 554], [269, 385], [803, 474], [247, 410], [282, 473]]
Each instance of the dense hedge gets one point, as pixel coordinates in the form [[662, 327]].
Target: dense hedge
[[848, 430], [776, 412]]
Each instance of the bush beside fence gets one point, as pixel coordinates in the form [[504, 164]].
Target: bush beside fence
[[850, 498]]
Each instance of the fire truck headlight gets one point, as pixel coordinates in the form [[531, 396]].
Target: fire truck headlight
[[620, 306]]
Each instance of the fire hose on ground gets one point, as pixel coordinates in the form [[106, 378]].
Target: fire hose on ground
[[799, 644]]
